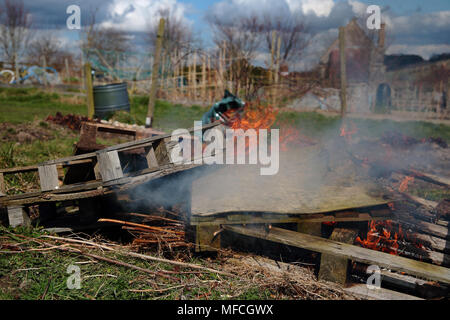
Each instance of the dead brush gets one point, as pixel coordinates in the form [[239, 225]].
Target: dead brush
[[284, 280]]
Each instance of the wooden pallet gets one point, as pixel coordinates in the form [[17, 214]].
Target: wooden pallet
[[377, 213], [347, 251], [90, 131], [108, 173]]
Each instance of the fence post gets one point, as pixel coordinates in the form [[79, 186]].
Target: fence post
[[16, 66], [343, 71], [89, 90], [155, 71], [44, 62], [66, 62]]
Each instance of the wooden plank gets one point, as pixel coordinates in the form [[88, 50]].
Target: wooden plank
[[312, 228], [2, 185], [249, 218], [152, 162], [371, 257], [48, 177], [19, 169], [109, 165], [424, 227], [89, 90], [434, 243], [362, 291], [18, 217], [161, 152], [206, 238], [343, 68], [334, 268]]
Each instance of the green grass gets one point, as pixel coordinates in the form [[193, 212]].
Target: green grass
[[19, 105], [315, 124], [39, 275]]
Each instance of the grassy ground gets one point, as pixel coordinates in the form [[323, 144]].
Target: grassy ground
[[38, 273], [19, 105]]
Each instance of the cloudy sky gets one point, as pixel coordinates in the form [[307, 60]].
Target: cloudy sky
[[414, 26]]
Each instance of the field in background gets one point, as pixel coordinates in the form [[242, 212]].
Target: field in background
[[23, 112]]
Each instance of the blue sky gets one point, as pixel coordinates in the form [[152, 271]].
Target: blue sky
[[415, 26]]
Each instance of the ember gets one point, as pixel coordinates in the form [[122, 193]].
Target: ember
[[385, 236], [404, 184], [346, 133]]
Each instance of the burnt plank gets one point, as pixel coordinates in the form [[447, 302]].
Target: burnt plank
[[348, 251]]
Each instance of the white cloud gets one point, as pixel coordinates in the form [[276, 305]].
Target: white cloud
[[321, 8], [358, 8], [137, 15]]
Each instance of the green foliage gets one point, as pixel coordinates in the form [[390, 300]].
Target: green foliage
[[7, 155]]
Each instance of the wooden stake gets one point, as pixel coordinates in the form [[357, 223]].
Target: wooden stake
[[194, 76], [203, 80], [66, 62], [343, 71], [155, 71], [89, 90], [44, 63]]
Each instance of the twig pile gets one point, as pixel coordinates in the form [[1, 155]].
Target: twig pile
[[154, 231]]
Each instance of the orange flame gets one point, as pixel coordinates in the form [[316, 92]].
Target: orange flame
[[347, 133], [260, 117], [382, 237], [404, 184]]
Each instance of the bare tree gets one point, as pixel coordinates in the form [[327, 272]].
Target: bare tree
[[177, 34], [293, 33], [45, 46], [240, 40], [104, 43], [15, 23]]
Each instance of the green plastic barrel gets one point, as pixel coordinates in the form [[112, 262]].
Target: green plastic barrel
[[109, 99]]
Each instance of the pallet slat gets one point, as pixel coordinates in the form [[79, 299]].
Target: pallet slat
[[48, 177], [317, 244], [109, 165]]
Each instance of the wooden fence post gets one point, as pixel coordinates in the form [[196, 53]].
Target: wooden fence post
[[44, 63], [155, 71], [89, 90], [343, 71], [66, 62]]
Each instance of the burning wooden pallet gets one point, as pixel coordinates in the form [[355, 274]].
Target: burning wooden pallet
[[252, 206], [105, 172]]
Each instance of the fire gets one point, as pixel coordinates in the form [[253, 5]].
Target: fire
[[260, 117], [385, 236], [347, 133], [404, 184], [380, 237], [256, 117]]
